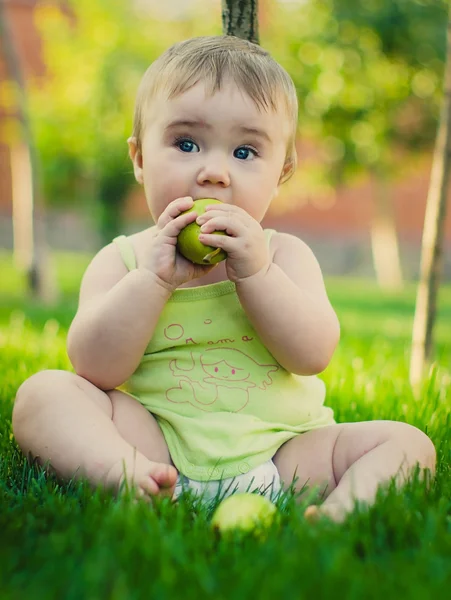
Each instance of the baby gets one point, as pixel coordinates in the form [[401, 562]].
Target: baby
[[204, 377]]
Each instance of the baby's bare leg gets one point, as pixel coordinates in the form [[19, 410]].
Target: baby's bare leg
[[82, 431], [350, 460]]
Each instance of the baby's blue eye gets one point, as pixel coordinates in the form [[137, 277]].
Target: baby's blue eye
[[244, 153], [187, 146]]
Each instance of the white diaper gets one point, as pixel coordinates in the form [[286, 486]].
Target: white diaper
[[264, 478]]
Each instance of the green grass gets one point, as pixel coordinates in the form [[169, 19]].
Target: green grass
[[67, 541]]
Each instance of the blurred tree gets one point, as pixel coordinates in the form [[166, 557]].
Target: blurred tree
[[30, 249], [432, 246], [240, 18], [367, 75]]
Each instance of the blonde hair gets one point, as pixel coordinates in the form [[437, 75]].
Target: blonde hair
[[212, 59]]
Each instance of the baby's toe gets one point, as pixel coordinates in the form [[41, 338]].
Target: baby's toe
[[165, 476], [148, 487], [312, 513], [335, 512]]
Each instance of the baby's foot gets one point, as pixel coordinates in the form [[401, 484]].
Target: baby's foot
[[148, 478], [336, 512]]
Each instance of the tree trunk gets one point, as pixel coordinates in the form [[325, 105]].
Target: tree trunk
[[240, 18], [384, 239], [432, 244], [29, 240]]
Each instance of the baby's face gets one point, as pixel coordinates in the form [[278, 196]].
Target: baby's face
[[217, 146]]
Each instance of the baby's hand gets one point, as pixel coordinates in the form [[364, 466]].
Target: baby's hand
[[162, 259], [245, 242]]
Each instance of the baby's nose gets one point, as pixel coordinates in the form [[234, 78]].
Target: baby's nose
[[214, 172]]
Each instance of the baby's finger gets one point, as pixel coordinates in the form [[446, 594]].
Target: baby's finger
[[227, 208], [174, 209], [225, 242], [175, 226], [231, 225]]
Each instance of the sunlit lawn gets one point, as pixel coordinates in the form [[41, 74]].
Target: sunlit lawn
[[64, 541]]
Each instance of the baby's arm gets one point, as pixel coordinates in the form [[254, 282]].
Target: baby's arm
[[289, 308], [117, 314], [118, 310]]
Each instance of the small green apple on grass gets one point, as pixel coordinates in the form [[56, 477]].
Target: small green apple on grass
[[188, 242], [245, 512]]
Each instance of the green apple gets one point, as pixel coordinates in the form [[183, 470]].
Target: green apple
[[245, 512], [188, 239]]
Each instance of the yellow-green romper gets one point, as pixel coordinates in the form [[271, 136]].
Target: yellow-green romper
[[223, 402]]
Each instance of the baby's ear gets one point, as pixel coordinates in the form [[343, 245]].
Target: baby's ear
[[288, 169], [134, 151]]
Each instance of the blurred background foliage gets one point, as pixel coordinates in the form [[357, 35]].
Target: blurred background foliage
[[368, 74]]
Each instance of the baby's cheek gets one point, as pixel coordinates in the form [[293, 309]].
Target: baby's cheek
[[161, 190]]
